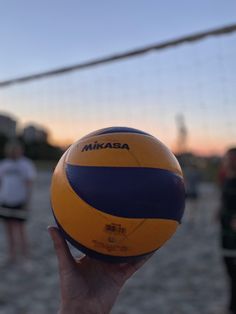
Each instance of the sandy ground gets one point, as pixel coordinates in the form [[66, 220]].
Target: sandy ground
[[186, 276]]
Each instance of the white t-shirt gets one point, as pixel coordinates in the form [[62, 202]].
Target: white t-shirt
[[14, 178]]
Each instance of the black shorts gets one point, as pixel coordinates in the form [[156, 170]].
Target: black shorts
[[16, 212]]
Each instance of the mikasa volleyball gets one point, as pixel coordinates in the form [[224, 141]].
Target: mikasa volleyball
[[118, 194]]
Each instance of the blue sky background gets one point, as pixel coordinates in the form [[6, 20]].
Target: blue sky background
[[37, 35], [197, 80]]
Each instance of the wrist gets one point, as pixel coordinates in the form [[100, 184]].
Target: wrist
[[69, 309]]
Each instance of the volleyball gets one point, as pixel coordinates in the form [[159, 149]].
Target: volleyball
[[117, 194]]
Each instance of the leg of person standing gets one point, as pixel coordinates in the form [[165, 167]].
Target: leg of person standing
[[11, 240], [230, 263], [23, 241]]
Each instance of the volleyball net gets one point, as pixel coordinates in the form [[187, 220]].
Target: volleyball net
[[183, 93]]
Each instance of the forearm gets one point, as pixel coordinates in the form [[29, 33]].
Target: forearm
[[69, 309], [76, 310], [76, 307], [79, 308]]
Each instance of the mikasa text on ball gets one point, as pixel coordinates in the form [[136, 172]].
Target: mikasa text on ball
[[118, 194]]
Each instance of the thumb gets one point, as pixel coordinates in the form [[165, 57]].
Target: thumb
[[65, 259]]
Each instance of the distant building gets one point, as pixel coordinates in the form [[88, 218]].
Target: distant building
[[32, 133], [7, 126]]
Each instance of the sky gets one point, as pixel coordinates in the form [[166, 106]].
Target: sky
[[42, 35]]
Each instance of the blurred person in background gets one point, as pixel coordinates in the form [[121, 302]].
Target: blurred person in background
[[192, 182], [228, 221], [17, 174]]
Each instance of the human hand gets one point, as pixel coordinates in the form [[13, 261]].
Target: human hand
[[89, 286]]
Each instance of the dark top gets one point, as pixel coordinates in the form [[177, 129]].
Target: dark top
[[228, 213], [192, 180]]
